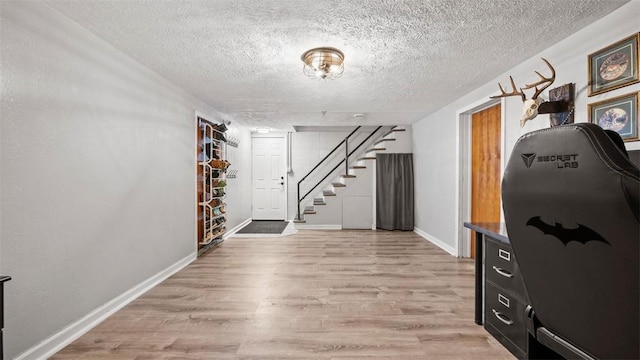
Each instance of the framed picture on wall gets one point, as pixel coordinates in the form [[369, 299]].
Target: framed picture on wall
[[619, 114], [614, 66]]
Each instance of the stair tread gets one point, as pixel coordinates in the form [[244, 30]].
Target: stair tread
[[377, 149], [367, 158], [338, 184], [383, 140], [309, 212], [328, 193], [348, 176], [299, 221], [358, 167]]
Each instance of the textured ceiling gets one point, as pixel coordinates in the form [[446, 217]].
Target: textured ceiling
[[403, 59]]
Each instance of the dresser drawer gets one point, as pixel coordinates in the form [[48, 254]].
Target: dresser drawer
[[502, 269], [506, 314]]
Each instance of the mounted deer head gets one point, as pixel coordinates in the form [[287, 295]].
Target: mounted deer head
[[530, 106]]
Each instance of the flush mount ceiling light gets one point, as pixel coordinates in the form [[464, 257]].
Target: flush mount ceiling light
[[323, 63]]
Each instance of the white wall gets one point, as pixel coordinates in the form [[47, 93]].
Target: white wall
[[435, 136], [98, 173]]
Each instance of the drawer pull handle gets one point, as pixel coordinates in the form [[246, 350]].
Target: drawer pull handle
[[503, 300], [503, 272], [502, 317], [503, 254]]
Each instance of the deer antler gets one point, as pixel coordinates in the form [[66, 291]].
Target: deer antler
[[512, 93], [548, 80], [529, 107]]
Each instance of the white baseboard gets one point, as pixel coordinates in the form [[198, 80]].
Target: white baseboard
[[302, 226], [237, 228], [56, 342], [435, 241]]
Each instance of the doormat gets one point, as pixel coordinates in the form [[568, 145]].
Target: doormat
[[264, 227]]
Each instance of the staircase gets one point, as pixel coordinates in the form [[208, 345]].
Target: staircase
[[348, 200]]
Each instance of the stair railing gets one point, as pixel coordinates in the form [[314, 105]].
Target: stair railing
[[345, 161]]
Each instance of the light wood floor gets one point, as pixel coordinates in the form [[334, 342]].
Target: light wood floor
[[313, 295]]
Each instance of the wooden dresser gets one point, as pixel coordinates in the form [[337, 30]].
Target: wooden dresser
[[500, 295]]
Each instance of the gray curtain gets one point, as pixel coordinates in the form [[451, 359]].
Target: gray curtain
[[394, 191]]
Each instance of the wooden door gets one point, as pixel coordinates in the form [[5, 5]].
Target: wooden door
[[485, 167], [268, 178]]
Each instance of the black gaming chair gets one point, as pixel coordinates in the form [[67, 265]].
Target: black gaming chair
[[571, 201]]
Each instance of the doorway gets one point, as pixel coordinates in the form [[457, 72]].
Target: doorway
[[269, 178], [464, 146], [486, 155]]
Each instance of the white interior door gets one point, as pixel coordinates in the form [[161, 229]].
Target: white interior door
[[268, 178]]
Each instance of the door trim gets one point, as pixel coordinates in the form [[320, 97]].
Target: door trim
[[195, 201], [463, 169], [285, 156]]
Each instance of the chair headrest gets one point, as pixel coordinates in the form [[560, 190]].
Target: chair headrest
[[569, 159]]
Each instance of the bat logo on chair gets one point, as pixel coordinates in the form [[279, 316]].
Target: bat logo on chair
[[581, 234]]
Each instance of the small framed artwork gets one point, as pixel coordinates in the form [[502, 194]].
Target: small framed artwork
[[564, 93], [614, 66], [619, 114]]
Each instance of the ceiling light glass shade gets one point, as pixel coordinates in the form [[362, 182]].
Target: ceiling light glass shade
[[323, 63]]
